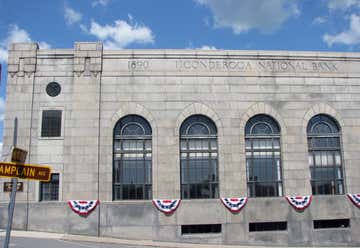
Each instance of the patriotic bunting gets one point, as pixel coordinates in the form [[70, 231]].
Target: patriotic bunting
[[299, 202], [355, 198], [166, 206], [234, 204], [83, 207]]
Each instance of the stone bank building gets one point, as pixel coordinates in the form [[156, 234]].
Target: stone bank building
[[129, 126]]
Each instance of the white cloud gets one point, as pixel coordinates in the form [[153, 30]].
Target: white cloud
[[342, 4], [131, 18], [203, 47], [244, 15], [121, 34], [84, 28], [71, 16], [103, 3], [16, 34], [206, 47], [44, 45], [347, 37], [3, 54], [349, 10], [201, 1], [1, 147], [319, 20]]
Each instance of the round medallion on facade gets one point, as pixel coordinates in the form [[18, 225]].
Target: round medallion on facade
[[53, 89]]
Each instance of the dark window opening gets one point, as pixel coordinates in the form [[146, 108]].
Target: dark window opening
[[132, 162], [196, 229], [199, 158], [325, 160], [53, 89], [49, 191], [267, 226], [263, 157], [337, 223], [51, 123]]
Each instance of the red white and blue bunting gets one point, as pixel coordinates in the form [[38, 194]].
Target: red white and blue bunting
[[299, 202], [234, 204], [83, 207], [166, 206], [355, 198]]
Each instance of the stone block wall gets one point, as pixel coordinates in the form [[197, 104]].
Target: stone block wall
[[99, 87]]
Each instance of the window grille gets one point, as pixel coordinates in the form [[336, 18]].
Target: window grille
[[49, 191], [51, 123], [53, 89], [132, 159], [336, 223], [325, 160], [267, 226], [263, 157], [198, 229], [199, 158]]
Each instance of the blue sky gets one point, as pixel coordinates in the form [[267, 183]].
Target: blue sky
[[321, 25]]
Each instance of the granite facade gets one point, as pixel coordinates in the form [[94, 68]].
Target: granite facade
[[98, 87]]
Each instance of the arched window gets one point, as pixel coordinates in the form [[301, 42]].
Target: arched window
[[199, 158], [263, 157], [132, 159], [325, 161]]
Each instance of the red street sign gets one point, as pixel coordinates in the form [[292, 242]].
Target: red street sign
[[25, 171]]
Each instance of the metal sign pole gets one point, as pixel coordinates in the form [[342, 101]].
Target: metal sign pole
[[13, 195], [11, 211]]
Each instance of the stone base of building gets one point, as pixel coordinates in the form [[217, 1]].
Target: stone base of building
[[140, 220]]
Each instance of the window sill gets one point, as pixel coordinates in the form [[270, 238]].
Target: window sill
[[51, 138], [324, 195], [332, 229], [269, 232]]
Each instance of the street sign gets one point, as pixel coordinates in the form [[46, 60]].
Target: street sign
[[25, 171], [8, 186], [18, 155]]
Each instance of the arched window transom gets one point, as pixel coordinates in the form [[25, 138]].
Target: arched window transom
[[263, 157], [199, 158], [132, 159], [325, 160]]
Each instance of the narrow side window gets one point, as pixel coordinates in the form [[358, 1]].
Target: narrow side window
[[49, 191], [51, 123]]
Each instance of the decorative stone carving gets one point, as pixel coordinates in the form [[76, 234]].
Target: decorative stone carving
[[22, 59], [88, 59]]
